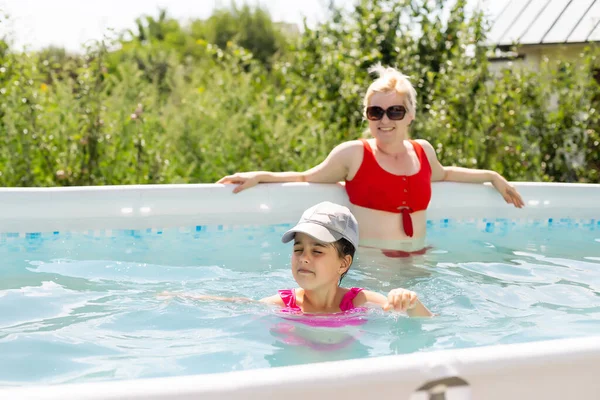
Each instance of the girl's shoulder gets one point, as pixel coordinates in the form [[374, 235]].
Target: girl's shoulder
[[367, 296], [348, 301]]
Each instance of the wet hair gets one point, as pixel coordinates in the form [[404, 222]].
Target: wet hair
[[391, 80], [344, 248]]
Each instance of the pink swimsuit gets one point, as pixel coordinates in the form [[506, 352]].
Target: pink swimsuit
[[289, 299], [324, 320]]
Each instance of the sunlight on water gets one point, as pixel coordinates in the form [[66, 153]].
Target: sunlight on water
[[76, 307]]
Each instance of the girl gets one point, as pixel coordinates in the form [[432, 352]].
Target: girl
[[325, 240]]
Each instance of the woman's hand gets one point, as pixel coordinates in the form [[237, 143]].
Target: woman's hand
[[508, 192], [401, 300], [244, 180]]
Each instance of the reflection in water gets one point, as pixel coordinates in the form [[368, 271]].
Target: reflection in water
[[375, 263], [298, 344]]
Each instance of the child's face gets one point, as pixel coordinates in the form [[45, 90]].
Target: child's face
[[315, 264]]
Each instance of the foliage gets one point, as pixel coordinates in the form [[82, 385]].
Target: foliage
[[167, 103]]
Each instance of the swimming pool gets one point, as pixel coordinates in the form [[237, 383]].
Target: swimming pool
[[82, 269]]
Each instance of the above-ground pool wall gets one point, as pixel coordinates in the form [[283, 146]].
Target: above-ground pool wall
[[550, 370], [163, 206], [562, 369]]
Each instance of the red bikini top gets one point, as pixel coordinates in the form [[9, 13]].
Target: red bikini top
[[375, 188]]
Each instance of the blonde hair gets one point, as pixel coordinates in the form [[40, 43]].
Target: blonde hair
[[391, 80]]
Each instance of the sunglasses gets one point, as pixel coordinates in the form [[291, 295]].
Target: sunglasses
[[395, 113]]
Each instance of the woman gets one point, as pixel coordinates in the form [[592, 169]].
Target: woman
[[388, 177]]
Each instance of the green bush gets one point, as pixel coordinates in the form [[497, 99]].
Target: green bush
[[168, 103]]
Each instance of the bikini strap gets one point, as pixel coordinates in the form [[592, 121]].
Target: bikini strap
[[367, 146], [288, 296], [347, 301], [421, 155]]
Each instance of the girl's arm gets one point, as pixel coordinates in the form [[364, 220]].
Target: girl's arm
[[397, 300], [205, 297], [273, 300], [469, 175]]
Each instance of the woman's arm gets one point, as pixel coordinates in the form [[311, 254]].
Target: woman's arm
[[469, 175], [332, 170], [397, 300]]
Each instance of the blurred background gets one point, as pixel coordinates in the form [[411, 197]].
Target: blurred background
[[188, 91]]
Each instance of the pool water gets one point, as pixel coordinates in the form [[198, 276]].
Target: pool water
[[78, 307]]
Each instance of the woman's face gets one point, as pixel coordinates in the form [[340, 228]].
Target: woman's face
[[387, 130]]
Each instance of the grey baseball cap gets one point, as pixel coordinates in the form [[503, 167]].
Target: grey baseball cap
[[327, 222]]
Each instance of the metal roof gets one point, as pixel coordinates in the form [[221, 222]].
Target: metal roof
[[530, 22]]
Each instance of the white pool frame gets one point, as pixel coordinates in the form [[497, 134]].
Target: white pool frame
[[558, 369]]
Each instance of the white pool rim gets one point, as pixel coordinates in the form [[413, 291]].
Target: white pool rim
[[555, 369]]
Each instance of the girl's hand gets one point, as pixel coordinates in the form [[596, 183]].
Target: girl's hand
[[510, 194], [401, 300], [244, 180]]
